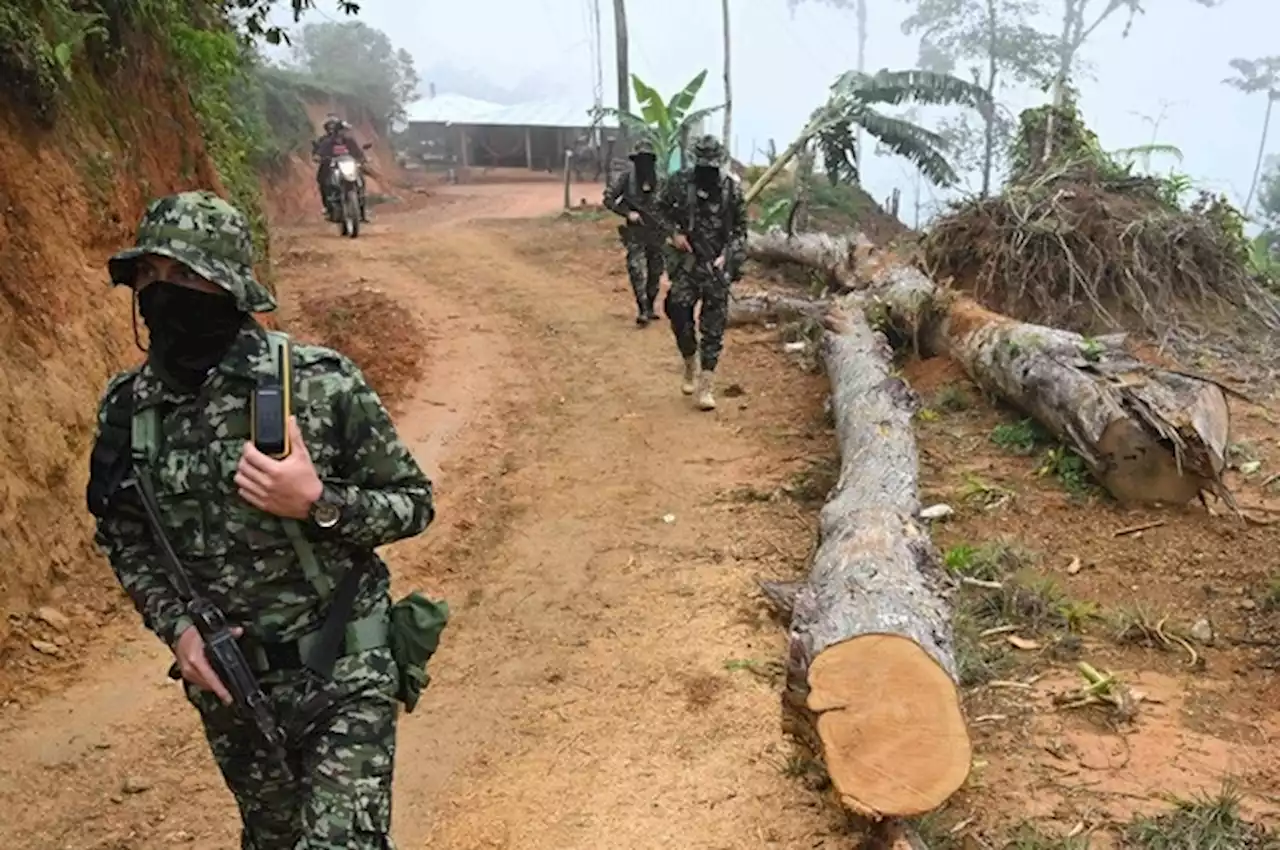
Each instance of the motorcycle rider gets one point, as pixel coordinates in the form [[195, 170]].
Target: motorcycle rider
[[336, 141]]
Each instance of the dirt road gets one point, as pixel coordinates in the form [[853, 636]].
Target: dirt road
[[606, 681]]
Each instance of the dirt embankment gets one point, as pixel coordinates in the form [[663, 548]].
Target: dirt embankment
[[70, 196]]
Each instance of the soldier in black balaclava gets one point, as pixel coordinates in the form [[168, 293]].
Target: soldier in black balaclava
[[632, 195]]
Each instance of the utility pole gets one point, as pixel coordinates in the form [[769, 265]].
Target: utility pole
[[624, 74], [728, 86], [597, 51]]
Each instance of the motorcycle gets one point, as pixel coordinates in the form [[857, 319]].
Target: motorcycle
[[346, 190]]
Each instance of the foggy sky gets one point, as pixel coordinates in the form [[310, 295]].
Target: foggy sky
[[1175, 57]]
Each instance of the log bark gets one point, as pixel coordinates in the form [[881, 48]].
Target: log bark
[[835, 256], [871, 674], [1149, 435], [773, 307]]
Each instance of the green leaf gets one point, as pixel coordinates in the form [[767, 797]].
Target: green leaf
[[651, 105], [924, 87], [913, 142], [683, 99]]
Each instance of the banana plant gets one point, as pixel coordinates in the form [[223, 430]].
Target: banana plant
[[851, 105], [664, 123]]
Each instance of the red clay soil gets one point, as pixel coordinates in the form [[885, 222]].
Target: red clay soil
[[384, 339], [1195, 724], [72, 196]]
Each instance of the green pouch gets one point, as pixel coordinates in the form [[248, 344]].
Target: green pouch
[[416, 625]]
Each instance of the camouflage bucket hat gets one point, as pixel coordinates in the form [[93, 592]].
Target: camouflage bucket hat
[[204, 233], [642, 146], [708, 151]]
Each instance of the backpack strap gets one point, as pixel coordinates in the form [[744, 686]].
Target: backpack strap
[[293, 528], [144, 430]]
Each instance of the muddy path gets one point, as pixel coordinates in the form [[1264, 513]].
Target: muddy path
[[607, 680]]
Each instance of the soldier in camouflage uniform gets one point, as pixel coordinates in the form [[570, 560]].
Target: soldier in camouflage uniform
[[704, 206], [631, 195], [235, 517]]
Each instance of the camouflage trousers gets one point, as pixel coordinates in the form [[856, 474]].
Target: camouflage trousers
[[644, 268], [341, 755], [688, 288]]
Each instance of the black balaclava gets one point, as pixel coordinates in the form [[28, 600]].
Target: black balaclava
[[646, 169], [707, 179], [190, 331]]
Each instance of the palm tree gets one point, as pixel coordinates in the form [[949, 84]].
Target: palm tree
[[1258, 75], [849, 108]]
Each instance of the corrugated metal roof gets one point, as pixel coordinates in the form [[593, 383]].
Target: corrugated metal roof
[[457, 109], [450, 109]]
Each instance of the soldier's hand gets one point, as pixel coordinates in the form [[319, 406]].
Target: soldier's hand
[[633, 217], [681, 242], [286, 488], [194, 664], [719, 264]]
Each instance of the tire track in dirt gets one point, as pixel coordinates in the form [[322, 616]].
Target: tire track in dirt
[[583, 696]]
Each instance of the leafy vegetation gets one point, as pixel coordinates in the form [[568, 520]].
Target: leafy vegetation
[[1205, 823], [663, 123], [252, 117]]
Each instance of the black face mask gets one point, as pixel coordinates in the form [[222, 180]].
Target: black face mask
[[190, 331], [707, 178], [646, 169]]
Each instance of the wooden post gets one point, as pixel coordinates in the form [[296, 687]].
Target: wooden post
[[466, 152], [568, 164], [528, 148]]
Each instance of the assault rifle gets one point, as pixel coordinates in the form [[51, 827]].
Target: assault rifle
[[220, 646], [666, 230]]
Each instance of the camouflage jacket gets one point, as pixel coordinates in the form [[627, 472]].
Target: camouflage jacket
[[239, 556], [714, 227], [624, 194]]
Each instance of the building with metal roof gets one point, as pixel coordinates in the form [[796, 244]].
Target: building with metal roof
[[452, 131]]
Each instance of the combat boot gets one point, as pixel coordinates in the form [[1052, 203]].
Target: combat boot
[[690, 374], [706, 400]]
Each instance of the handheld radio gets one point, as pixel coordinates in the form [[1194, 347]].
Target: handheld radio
[[272, 405]]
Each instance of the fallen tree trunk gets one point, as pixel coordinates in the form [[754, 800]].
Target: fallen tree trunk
[[871, 675], [1148, 434], [834, 256], [772, 307]]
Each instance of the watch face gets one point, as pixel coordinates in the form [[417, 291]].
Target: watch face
[[326, 514]]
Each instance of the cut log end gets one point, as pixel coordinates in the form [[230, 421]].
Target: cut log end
[[1139, 470], [891, 725]]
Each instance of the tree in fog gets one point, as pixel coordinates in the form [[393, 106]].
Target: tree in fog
[[998, 46], [358, 59], [1258, 76], [1080, 19]]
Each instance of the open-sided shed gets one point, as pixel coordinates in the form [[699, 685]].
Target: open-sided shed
[[456, 131]]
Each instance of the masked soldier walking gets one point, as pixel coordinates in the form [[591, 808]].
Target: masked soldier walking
[[704, 207], [277, 543], [631, 195]]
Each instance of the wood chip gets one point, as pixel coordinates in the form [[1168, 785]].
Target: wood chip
[[1022, 643], [1073, 567]]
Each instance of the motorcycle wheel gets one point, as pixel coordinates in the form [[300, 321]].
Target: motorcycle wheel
[[350, 213]]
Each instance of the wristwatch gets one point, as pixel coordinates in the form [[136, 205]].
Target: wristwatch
[[326, 511]]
